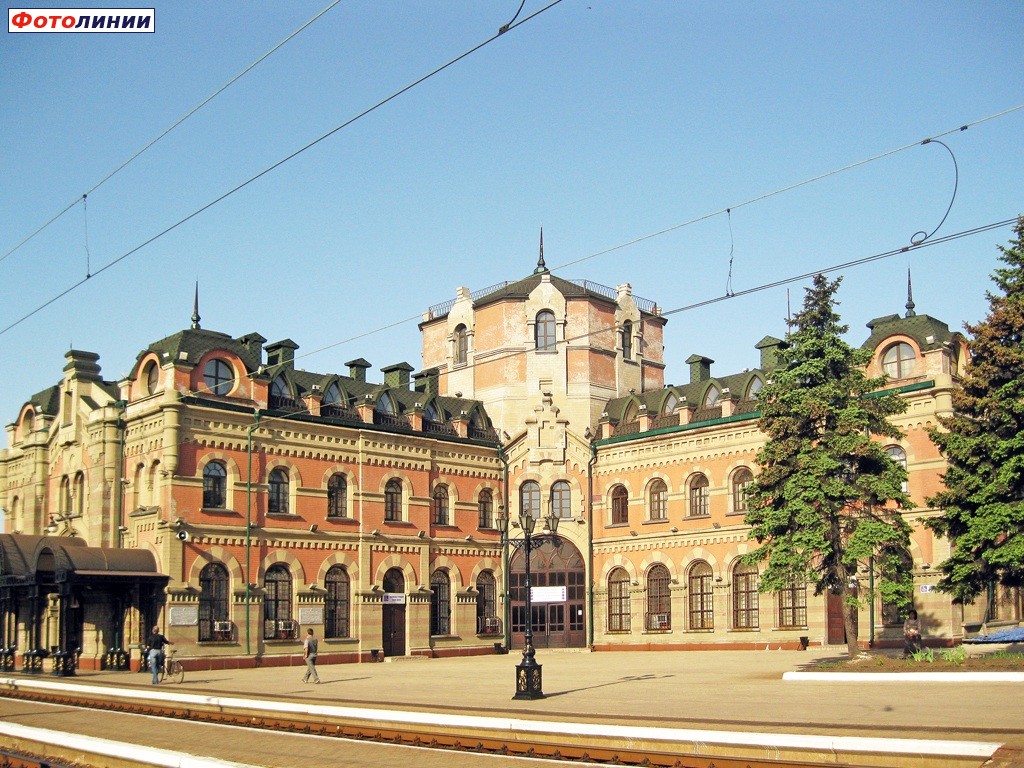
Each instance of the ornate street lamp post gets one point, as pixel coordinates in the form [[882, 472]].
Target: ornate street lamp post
[[528, 671]]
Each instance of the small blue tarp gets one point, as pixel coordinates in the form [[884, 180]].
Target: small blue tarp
[[1006, 636]]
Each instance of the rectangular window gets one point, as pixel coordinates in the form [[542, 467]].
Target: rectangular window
[[793, 606]]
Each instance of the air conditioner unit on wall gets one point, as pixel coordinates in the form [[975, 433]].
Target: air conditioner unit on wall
[[222, 626], [287, 625]]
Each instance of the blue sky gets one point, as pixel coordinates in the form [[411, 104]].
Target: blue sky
[[602, 121]]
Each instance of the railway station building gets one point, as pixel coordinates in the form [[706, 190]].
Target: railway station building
[[235, 499]]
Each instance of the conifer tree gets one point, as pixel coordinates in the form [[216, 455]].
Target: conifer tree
[[983, 442], [827, 496]]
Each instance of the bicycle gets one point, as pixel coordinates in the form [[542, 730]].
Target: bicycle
[[171, 670]]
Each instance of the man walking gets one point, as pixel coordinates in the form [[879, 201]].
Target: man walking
[[156, 642], [309, 652]]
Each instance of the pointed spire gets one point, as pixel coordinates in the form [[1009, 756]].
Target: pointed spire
[[910, 296], [541, 268], [195, 308]]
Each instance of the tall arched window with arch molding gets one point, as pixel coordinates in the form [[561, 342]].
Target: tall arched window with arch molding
[[337, 603], [440, 603], [701, 598], [213, 603], [544, 331], [741, 479], [393, 500], [278, 492], [529, 499], [659, 599], [744, 597], [627, 340], [618, 601], [561, 499], [214, 485], [658, 500], [277, 604], [620, 505], [700, 493], [461, 345], [337, 496]]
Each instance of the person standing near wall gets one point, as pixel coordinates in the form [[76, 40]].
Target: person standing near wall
[[309, 648]]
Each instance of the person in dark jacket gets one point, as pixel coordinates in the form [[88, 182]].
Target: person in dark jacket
[[155, 643]]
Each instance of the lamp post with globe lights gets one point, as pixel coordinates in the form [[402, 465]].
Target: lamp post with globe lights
[[528, 671]]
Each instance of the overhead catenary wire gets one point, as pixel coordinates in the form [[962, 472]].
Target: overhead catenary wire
[[275, 166], [611, 328], [174, 125], [790, 187]]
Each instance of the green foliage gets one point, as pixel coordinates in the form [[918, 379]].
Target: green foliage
[[983, 442], [925, 655], [827, 496], [956, 655]]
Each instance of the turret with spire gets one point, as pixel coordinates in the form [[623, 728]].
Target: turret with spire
[[195, 309], [910, 297], [541, 267]]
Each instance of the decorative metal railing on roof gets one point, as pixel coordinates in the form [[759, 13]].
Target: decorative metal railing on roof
[[644, 305]]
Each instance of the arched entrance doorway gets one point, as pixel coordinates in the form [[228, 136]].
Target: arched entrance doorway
[[558, 600], [393, 613]]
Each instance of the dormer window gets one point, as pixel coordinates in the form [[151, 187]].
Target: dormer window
[[669, 406], [711, 398], [218, 376], [384, 405], [756, 385], [544, 333], [430, 413], [280, 394], [898, 360]]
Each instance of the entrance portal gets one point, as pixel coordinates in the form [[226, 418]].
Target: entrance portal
[[559, 615], [393, 614]]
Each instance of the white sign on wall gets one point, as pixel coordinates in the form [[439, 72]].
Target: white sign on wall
[[547, 594], [311, 614], [184, 616], [394, 598]]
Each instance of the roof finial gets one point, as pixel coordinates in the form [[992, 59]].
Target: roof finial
[[910, 296], [195, 308], [541, 268]]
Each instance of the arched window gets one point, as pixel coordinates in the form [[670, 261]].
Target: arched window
[[337, 603], [79, 501], [627, 340], [461, 340], [280, 394], [658, 500], [699, 494], [793, 606], [711, 396], [213, 603], [620, 505], [755, 386], [440, 603], [702, 610], [659, 602], [485, 509], [384, 405], [561, 499], [277, 604], [744, 597], [618, 600], [277, 499], [337, 496], [669, 406], [487, 622], [430, 413], [65, 496], [529, 499], [152, 375], [545, 330], [332, 396], [740, 480], [898, 360], [441, 506], [899, 456], [393, 500], [215, 486], [218, 376]]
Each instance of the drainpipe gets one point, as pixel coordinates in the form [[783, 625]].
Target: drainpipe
[[248, 528], [871, 591], [590, 543], [506, 608], [122, 426]]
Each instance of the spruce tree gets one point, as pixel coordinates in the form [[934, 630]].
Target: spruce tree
[[827, 496], [983, 442]]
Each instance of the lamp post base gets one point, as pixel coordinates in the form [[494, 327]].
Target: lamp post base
[[528, 680]]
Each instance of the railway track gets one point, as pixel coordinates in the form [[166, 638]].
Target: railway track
[[567, 741]]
